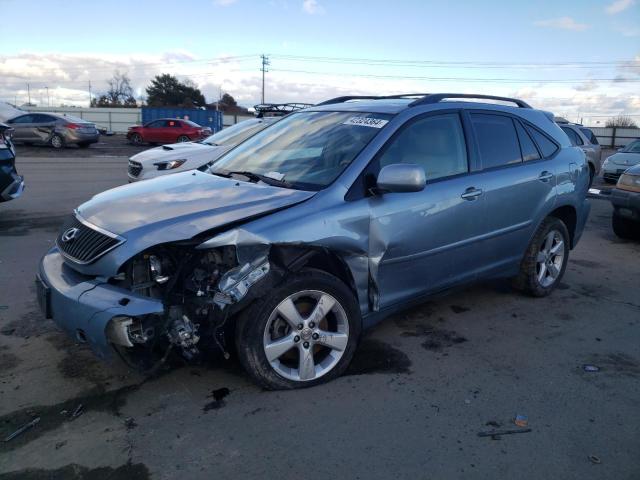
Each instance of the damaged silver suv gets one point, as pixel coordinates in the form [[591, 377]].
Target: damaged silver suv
[[317, 228]]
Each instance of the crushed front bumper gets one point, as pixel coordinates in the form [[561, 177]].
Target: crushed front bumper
[[84, 306]]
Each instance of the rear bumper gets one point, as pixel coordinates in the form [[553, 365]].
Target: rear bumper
[[84, 306], [14, 189]]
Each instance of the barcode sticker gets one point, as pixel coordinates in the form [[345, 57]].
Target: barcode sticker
[[366, 122]]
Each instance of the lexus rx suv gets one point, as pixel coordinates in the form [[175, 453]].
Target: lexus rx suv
[[317, 228]]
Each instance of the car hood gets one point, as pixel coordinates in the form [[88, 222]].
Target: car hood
[[179, 151], [625, 158], [176, 207]]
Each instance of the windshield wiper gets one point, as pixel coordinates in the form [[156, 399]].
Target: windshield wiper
[[256, 177]]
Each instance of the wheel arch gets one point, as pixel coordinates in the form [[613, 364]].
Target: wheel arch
[[569, 216]]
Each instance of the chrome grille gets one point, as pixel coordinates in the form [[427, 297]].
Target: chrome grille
[[83, 244], [134, 168]]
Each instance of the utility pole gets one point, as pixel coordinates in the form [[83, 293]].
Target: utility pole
[[29, 94], [265, 64], [89, 93], [48, 98]]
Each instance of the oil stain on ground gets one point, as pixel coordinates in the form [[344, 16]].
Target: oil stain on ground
[[128, 471], [18, 223], [374, 356], [52, 416], [218, 399], [436, 339], [616, 364]]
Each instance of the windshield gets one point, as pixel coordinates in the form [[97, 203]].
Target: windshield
[[633, 147], [237, 133], [307, 150]]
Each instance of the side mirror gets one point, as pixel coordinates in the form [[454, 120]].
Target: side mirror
[[401, 177], [621, 147]]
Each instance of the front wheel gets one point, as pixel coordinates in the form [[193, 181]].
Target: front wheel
[[622, 227], [545, 260], [183, 138], [302, 334], [135, 138]]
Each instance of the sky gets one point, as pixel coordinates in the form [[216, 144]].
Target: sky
[[580, 59]]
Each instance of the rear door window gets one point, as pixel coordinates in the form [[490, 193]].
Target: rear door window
[[573, 136], [21, 119], [157, 124], [436, 143], [497, 140], [546, 146], [529, 150], [174, 124]]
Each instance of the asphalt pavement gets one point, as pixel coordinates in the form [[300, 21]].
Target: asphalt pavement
[[423, 385]]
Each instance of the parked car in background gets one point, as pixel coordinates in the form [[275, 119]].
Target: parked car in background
[[625, 199], [317, 227], [11, 184], [53, 129], [581, 136], [167, 130], [180, 157], [619, 162]]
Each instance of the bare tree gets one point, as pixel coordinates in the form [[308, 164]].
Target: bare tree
[[119, 94], [621, 121]]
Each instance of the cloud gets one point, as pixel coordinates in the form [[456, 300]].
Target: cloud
[[312, 7], [563, 23], [223, 3], [618, 6]]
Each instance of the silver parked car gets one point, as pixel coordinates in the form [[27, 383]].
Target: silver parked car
[[581, 136], [53, 129], [316, 228], [616, 164]]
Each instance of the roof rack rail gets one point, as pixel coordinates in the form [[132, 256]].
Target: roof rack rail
[[347, 98], [438, 97], [278, 109]]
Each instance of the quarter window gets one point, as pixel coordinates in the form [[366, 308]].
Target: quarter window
[[573, 136], [590, 136], [436, 143], [497, 140]]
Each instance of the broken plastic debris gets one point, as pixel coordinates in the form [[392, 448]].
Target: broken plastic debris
[[594, 459], [23, 429], [77, 412], [495, 434], [590, 368], [521, 420]]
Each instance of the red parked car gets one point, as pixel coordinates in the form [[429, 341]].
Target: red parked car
[[167, 130]]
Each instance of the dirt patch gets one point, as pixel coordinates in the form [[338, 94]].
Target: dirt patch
[[218, 399], [586, 263], [31, 324], [439, 339], [374, 356], [52, 416], [458, 309], [616, 364], [128, 471], [8, 360]]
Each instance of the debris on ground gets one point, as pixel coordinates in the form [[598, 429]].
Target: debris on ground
[[4, 307], [130, 423], [521, 420], [590, 368], [77, 412], [493, 423], [594, 459], [496, 434], [61, 444], [218, 399], [23, 429]]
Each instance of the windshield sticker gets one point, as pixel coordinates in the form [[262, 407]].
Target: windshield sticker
[[366, 122]]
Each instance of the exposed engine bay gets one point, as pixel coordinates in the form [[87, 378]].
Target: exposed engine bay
[[200, 291]]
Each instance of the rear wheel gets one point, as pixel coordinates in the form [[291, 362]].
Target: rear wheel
[[135, 138], [622, 227], [545, 260], [183, 138], [304, 333], [57, 141]]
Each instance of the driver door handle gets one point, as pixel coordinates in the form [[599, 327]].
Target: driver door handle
[[545, 176], [471, 193]]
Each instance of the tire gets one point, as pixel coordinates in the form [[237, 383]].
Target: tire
[[263, 324], [545, 260], [135, 139], [183, 138], [57, 141], [84, 145], [622, 227]]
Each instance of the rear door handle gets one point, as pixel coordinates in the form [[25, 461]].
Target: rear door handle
[[471, 193], [545, 176]]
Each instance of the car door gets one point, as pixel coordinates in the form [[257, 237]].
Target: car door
[[424, 241], [173, 131], [43, 127], [154, 131], [517, 181], [22, 126]]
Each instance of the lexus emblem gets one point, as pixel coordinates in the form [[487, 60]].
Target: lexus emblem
[[70, 234]]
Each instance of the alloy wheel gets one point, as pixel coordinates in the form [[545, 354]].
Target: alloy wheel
[[550, 258], [306, 335]]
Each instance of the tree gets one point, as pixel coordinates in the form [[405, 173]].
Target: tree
[[120, 93], [228, 105], [167, 91], [621, 121]]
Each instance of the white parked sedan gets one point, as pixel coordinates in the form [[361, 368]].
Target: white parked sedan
[[617, 163], [179, 157]]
